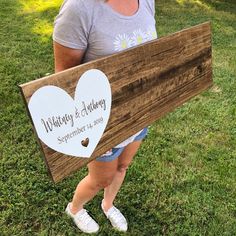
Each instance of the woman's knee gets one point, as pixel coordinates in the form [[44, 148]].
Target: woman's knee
[[121, 169], [101, 182], [102, 173], [105, 182]]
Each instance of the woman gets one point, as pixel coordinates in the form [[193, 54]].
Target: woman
[[86, 30]]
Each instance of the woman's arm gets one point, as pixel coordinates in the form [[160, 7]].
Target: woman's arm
[[65, 57]]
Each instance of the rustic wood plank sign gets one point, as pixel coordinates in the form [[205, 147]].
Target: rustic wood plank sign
[[146, 82]]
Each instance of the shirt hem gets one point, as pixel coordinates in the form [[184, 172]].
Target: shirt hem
[[68, 44]]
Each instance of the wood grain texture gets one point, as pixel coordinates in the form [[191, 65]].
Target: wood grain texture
[[147, 82]]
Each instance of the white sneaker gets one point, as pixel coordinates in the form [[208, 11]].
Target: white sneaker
[[83, 220], [116, 218]]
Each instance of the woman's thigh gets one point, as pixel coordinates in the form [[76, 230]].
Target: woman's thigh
[[102, 172], [128, 154]]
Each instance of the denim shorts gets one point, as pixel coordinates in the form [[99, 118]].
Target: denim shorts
[[115, 152]]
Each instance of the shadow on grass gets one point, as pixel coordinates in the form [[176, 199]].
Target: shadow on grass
[[222, 5]]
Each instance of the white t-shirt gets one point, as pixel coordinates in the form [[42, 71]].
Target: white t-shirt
[[93, 26]]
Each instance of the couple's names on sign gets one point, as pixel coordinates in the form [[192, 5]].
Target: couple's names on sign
[[55, 122], [146, 83], [58, 121]]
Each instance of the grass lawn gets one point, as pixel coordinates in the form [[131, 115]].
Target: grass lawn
[[183, 180]]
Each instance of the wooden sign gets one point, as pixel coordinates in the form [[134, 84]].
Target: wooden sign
[[146, 83]]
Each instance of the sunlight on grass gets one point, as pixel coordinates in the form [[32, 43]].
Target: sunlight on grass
[[197, 2], [30, 6], [44, 29]]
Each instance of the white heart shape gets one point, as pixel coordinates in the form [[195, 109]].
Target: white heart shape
[[73, 127]]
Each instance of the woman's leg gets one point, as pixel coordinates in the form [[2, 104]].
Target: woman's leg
[[124, 160], [100, 175]]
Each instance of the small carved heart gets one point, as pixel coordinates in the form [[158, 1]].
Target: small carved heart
[[85, 142]]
